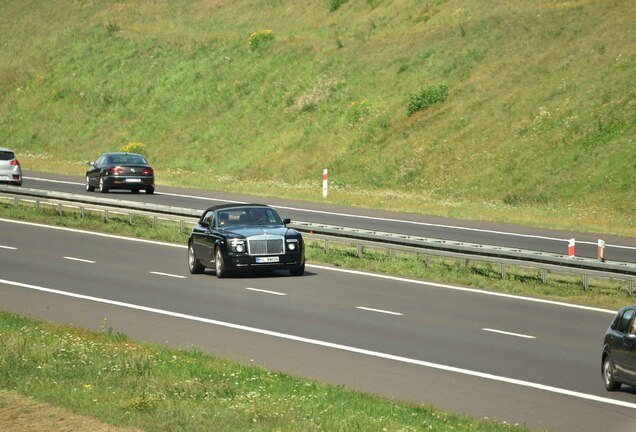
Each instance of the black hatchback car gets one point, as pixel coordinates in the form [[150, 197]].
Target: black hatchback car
[[119, 170], [618, 361], [235, 238]]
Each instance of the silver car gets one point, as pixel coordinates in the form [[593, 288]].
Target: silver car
[[10, 169]]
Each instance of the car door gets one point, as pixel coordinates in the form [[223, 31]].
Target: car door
[[95, 169], [623, 347], [199, 237]]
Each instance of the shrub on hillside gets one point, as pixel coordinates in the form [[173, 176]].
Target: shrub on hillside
[[260, 39], [426, 97], [134, 147], [335, 4]]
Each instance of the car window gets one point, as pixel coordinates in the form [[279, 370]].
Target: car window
[[625, 321], [223, 219], [134, 160], [6, 155]]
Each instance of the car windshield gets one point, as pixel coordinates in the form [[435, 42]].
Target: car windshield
[[248, 216], [6, 155]]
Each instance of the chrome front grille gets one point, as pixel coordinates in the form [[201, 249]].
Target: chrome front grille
[[266, 245]]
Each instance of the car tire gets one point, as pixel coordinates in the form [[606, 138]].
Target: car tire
[[298, 271], [135, 191], [150, 190], [219, 264], [194, 265], [89, 188], [102, 186], [608, 375]]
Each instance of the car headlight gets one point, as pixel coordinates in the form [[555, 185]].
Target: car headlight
[[292, 244], [237, 245]]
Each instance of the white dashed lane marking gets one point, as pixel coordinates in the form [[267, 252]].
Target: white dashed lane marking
[[519, 335]]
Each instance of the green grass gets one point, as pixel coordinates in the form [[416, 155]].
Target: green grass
[[121, 382], [538, 127]]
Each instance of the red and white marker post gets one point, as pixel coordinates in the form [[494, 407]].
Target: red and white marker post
[[571, 243], [325, 174], [601, 250]]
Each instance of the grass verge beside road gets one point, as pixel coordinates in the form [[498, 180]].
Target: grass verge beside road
[[104, 377]]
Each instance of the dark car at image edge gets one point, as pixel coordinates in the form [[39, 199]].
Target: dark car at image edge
[[244, 237], [618, 359], [120, 170]]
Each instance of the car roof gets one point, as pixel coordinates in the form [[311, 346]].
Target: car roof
[[6, 149], [236, 206], [121, 154]]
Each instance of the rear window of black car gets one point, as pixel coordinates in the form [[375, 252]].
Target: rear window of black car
[[6, 155], [126, 159]]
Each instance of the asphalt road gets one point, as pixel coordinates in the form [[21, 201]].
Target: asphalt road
[[486, 355], [617, 248]]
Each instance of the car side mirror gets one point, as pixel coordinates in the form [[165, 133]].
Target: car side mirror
[[204, 223], [630, 337], [286, 221], [90, 163]]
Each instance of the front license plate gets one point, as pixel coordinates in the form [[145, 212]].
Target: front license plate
[[133, 180], [266, 259], [3, 177]]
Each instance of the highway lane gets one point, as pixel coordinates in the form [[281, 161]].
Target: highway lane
[[619, 249], [440, 327]]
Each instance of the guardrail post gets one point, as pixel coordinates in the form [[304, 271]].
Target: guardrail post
[[360, 250], [82, 212], [58, 209], [586, 285], [154, 221], [326, 246], [15, 200], [130, 219], [630, 287], [105, 216], [37, 204], [502, 270], [180, 226], [544, 276]]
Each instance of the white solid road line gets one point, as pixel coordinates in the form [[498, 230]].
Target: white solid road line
[[379, 311], [468, 372], [509, 333], [8, 247]]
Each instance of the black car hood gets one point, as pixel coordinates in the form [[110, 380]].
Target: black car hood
[[250, 231]]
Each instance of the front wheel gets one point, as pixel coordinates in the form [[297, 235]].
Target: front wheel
[[219, 264], [194, 265], [608, 375], [150, 190]]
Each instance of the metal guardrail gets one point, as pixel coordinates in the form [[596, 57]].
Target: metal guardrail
[[360, 237]]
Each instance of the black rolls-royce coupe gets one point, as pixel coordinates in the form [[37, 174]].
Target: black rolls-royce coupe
[[243, 237]]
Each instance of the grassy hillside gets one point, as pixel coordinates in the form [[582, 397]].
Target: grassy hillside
[[538, 126]]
